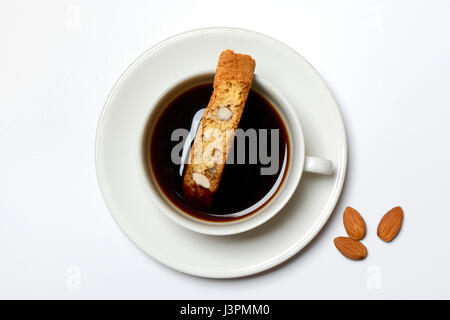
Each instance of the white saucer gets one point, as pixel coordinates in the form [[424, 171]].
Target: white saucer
[[218, 256]]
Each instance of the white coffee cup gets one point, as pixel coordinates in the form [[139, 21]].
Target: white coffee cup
[[299, 162]]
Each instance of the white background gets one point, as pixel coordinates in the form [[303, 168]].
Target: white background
[[387, 63]]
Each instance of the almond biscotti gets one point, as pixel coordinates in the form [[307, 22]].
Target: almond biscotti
[[214, 137]]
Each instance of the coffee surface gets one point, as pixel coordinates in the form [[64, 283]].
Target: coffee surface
[[243, 188]]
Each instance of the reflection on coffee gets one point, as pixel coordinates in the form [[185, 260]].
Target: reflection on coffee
[[254, 169]]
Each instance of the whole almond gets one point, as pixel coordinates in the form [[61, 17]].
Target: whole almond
[[354, 224], [350, 248], [390, 224]]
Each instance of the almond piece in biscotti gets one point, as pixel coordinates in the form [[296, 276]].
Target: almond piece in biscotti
[[201, 180], [224, 114]]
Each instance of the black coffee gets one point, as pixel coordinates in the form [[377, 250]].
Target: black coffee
[[243, 190]]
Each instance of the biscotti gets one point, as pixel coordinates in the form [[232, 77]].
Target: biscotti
[[214, 137]]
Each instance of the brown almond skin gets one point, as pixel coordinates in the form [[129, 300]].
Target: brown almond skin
[[390, 224], [354, 224], [350, 248]]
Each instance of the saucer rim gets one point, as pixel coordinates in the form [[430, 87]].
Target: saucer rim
[[285, 254]]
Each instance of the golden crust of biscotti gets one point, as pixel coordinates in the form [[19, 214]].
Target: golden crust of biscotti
[[234, 66], [214, 138]]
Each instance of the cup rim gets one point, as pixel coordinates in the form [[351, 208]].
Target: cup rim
[[295, 133]]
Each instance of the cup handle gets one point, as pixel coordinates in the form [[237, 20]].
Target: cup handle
[[318, 165]]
